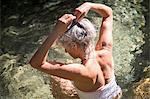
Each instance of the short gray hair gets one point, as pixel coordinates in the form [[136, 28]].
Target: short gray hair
[[83, 34]]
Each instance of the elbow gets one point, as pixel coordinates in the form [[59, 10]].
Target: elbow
[[110, 11], [107, 45]]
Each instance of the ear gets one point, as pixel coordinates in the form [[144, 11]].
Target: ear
[[74, 45]]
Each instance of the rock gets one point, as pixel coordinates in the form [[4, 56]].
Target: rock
[[21, 82], [142, 89], [63, 89]]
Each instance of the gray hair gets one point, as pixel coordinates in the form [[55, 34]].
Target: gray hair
[[83, 34]]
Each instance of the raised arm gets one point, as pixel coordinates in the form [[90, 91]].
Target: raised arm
[[105, 34], [74, 72], [39, 58]]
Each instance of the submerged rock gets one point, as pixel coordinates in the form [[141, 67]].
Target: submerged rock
[[21, 82]]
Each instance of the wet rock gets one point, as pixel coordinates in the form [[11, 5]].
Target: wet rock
[[142, 89], [21, 81], [63, 89]]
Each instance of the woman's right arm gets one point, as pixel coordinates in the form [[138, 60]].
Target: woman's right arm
[[105, 35]]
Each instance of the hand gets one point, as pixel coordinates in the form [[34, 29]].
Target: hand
[[63, 23], [82, 10]]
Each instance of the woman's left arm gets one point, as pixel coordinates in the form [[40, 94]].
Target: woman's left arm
[[75, 72], [40, 55]]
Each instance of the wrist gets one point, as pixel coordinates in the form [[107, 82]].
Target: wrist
[[54, 34], [89, 4]]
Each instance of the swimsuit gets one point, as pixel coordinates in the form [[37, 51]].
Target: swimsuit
[[109, 91]]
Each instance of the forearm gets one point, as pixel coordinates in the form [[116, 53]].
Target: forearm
[[41, 54], [101, 9], [105, 34]]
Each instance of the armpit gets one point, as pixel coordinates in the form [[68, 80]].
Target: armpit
[[106, 45]]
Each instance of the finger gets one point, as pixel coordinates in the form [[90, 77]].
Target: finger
[[81, 16], [70, 19], [70, 15], [77, 13], [65, 17]]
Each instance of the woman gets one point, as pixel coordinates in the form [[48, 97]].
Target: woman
[[94, 78]]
